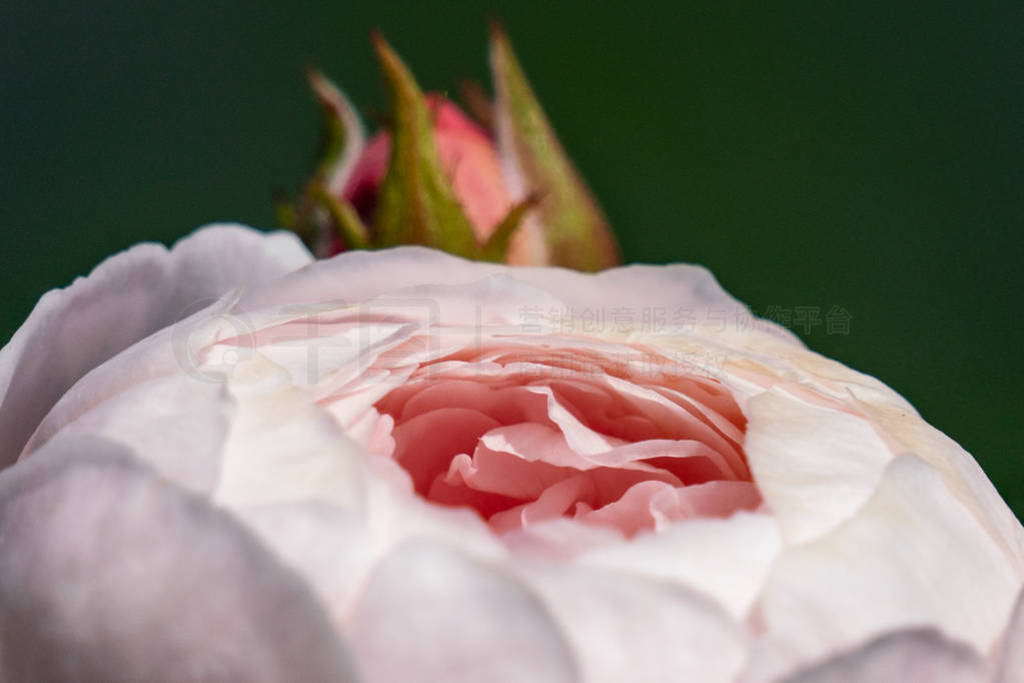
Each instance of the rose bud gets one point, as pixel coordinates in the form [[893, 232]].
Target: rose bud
[[470, 162], [436, 178], [227, 461]]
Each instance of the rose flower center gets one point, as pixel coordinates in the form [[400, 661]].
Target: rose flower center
[[522, 439]]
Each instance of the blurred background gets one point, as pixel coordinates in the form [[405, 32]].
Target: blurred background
[[853, 170]]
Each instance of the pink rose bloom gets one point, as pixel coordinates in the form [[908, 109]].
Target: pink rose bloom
[[225, 461]]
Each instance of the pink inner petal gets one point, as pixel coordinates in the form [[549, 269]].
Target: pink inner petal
[[426, 444], [525, 435], [651, 504]]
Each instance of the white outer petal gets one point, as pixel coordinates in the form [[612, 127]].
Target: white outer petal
[[126, 298], [433, 614], [961, 473], [913, 556], [637, 289], [1009, 658], [912, 656], [725, 559], [315, 497], [629, 628], [283, 447], [815, 465], [110, 573], [177, 424]]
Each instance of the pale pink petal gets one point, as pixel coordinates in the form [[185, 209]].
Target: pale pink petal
[[335, 548], [126, 298], [716, 498], [562, 539], [685, 459], [332, 548], [961, 472], [541, 442], [553, 502], [651, 505], [162, 355], [918, 655], [640, 508], [602, 408], [518, 473], [679, 423], [283, 447], [713, 403], [178, 424], [726, 559], [504, 473], [1009, 660], [913, 555], [450, 491], [110, 573], [627, 628], [814, 465], [579, 437], [316, 350], [362, 275], [358, 276], [493, 305], [381, 442], [432, 614], [425, 444], [506, 404]]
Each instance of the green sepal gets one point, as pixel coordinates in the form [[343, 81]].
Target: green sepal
[[416, 203], [575, 229], [497, 244], [343, 136], [315, 216], [344, 218]]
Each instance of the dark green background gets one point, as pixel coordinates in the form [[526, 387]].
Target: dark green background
[[811, 155]]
